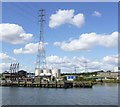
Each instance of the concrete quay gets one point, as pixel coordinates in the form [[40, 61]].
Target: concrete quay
[[48, 84]]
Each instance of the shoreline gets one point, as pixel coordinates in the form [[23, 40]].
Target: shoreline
[[81, 84], [49, 84]]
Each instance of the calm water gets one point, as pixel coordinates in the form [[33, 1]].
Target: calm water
[[106, 94]]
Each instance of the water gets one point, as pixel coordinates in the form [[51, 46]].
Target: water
[[106, 94]]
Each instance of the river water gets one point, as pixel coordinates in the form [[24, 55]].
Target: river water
[[105, 94]]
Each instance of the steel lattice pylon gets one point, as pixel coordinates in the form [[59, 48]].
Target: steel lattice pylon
[[41, 58]]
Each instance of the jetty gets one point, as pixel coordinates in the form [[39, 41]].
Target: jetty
[[56, 84]]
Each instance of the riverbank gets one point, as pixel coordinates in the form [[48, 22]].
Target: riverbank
[[108, 81]]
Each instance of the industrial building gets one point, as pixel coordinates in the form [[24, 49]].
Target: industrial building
[[70, 77], [48, 73], [109, 75]]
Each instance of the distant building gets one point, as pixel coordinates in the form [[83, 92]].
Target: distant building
[[32, 75], [14, 76], [22, 73], [71, 77], [116, 69], [10, 76], [6, 75], [109, 75]]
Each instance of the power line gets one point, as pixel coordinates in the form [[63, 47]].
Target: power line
[[30, 8], [22, 8], [24, 12], [21, 14]]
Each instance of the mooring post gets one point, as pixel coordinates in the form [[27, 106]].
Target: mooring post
[[40, 81], [56, 84], [47, 83], [18, 82], [25, 83]]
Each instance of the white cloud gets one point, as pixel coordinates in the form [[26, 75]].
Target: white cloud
[[88, 40], [14, 34], [29, 48], [57, 59], [5, 62], [68, 64], [65, 63], [96, 13], [66, 17], [111, 59], [4, 67], [4, 56]]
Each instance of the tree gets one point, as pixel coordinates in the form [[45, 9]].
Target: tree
[[64, 78]]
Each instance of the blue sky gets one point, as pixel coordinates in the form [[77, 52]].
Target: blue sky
[[26, 16]]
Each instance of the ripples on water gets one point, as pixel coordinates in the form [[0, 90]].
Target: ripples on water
[[106, 94]]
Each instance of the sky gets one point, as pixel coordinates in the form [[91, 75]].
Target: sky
[[76, 35]]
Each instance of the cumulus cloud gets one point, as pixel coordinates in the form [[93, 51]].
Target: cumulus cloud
[[111, 59], [66, 17], [65, 63], [4, 67], [14, 34], [96, 13], [69, 64], [88, 40], [30, 48], [57, 59], [4, 56], [6, 60]]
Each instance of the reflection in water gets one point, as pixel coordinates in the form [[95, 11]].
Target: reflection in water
[[105, 94]]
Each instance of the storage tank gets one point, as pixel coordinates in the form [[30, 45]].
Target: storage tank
[[45, 71], [50, 71], [42, 74], [48, 74], [56, 72], [38, 72]]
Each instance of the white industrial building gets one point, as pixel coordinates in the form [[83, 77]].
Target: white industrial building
[[48, 73], [116, 69]]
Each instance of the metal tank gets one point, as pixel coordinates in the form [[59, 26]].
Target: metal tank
[[45, 71], [56, 72], [38, 72]]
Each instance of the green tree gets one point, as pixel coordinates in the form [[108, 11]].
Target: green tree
[[64, 78]]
